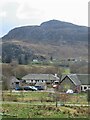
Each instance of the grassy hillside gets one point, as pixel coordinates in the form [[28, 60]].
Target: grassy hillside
[[18, 49]]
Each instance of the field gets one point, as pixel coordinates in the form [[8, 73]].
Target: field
[[43, 111], [44, 105]]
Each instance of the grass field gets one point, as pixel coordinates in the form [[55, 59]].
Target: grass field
[[43, 111], [43, 105], [30, 96]]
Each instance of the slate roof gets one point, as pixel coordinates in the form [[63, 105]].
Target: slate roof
[[14, 79], [40, 77], [78, 79], [72, 77], [84, 78]]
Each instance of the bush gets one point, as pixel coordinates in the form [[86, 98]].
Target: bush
[[10, 97]]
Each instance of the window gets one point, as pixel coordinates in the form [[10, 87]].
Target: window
[[81, 87], [85, 87]]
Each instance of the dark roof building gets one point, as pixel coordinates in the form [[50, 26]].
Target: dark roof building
[[74, 81]]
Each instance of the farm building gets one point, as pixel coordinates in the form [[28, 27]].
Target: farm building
[[75, 82], [46, 78]]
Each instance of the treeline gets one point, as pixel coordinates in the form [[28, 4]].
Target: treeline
[[23, 55], [16, 52], [15, 69]]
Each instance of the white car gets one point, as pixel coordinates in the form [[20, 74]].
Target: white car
[[69, 91], [30, 88]]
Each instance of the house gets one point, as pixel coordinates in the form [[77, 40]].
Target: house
[[75, 82], [70, 81], [34, 78], [14, 82]]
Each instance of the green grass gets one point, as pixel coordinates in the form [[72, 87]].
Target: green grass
[[41, 105], [43, 111], [44, 97], [26, 96]]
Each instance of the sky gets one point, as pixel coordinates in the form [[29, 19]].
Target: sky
[[16, 13]]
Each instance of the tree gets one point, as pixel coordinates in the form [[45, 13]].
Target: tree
[[5, 82], [56, 94], [51, 58], [66, 71]]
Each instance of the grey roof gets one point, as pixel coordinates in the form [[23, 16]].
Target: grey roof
[[14, 79], [40, 77], [63, 76], [72, 77], [78, 79], [84, 78]]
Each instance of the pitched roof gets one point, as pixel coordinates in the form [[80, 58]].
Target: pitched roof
[[40, 77], [72, 77], [84, 78], [77, 79], [14, 79]]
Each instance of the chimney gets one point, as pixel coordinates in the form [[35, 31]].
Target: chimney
[[55, 75]]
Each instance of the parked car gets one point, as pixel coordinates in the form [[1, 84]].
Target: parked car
[[30, 88], [54, 86], [18, 88], [39, 87], [69, 91]]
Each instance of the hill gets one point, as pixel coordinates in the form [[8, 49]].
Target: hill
[[52, 32], [52, 38]]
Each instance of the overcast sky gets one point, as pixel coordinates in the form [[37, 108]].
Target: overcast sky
[[14, 13]]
